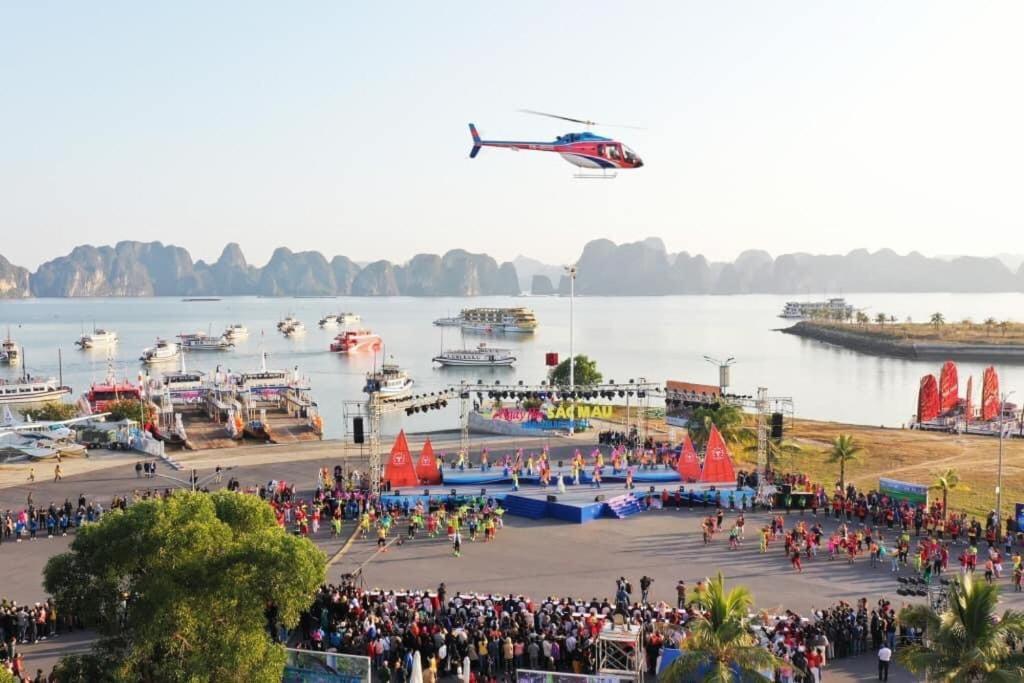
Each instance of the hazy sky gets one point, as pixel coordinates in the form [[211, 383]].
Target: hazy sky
[[341, 126]]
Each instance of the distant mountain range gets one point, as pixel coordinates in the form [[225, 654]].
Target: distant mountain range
[[604, 269]]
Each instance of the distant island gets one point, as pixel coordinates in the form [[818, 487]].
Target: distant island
[[932, 340], [643, 268]]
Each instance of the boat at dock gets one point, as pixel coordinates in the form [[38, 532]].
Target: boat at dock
[[29, 390], [184, 387], [482, 356], [356, 341], [391, 383], [102, 394], [98, 338], [162, 351]]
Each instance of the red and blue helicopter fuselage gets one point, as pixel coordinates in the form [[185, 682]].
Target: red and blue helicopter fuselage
[[585, 150]]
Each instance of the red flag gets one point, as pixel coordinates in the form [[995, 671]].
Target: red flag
[[928, 399], [400, 470], [989, 394], [426, 466], [949, 390], [688, 465], [717, 463]]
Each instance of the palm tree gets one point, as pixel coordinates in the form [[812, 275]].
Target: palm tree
[[937, 319], [862, 318], [946, 481], [1004, 326], [967, 641], [728, 417], [880, 319], [720, 644], [844, 450]]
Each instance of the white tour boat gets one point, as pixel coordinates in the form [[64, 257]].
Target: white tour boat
[[391, 383], [482, 356], [328, 320], [161, 352], [28, 390], [203, 342], [236, 331], [98, 338]]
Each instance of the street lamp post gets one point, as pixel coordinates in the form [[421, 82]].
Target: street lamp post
[[723, 370], [571, 272], [999, 470]]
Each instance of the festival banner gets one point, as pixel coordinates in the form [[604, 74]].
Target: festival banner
[[949, 390], [915, 494], [400, 470], [426, 466], [717, 463], [928, 399], [989, 394], [688, 465]]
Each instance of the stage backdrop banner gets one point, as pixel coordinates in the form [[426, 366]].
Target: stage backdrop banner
[[308, 666], [904, 490]]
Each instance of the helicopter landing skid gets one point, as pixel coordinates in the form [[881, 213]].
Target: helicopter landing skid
[[604, 175]]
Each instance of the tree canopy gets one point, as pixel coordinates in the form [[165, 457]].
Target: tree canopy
[[727, 417], [967, 641], [843, 450], [52, 411], [585, 372], [182, 589]]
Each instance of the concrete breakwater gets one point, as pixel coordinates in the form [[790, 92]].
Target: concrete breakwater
[[880, 345]]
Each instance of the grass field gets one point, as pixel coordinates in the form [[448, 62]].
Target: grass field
[[907, 455], [963, 332]]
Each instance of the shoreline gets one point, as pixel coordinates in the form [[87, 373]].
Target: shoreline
[[878, 345]]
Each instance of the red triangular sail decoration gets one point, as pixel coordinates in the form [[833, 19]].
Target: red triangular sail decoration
[[717, 463], [928, 399], [989, 394], [949, 391], [426, 466], [969, 401], [400, 470], [688, 465]]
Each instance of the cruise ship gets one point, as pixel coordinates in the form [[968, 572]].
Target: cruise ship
[[482, 356], [835, 309], [512, 320], [353, 341], [204, 342], [31, 391]]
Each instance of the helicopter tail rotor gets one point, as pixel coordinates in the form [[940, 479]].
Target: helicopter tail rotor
[[477, 143]]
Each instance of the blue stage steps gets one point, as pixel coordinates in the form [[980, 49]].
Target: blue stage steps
[[521, 506], [621, 507]]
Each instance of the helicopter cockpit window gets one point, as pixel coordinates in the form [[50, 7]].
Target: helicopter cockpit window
[[629, 154], [612, 152]]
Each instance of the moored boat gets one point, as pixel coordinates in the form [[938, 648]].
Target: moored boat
[[161, 352], [10, 354], [236, 331], [28, 390], [482, 356], [287, 321], [328, 320], [98, 338], [391, 383], [511, 320], [204, 342], [297, 329], [347, 318]]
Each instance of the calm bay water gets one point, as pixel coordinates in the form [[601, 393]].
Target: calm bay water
[[657, 338]]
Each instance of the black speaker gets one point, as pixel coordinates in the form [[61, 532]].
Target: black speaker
[[599, 498], [776, 425], [426, 492], [483, 492], [552, 499], [651, 490], [357, 430]]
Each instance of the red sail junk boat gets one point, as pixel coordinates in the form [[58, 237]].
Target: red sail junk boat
[[938, 400], [928, 399]]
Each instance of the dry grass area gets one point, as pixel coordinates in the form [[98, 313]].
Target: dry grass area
[[907, 455], [977, 332]]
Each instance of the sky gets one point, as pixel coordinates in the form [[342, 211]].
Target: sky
[[341, 127]]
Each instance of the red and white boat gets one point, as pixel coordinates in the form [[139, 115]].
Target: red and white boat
[[102, 394], [356, 341]]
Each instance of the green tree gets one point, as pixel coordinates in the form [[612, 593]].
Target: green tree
[[53, 411], [968, 641], [862, 318], [130, 409], [6, 676], [880, 318], [989, 324], [937, 320], [720, 643], [946, 481], [585, 372], [728, 417], [1004, 326], [843, 450], [178, 589]]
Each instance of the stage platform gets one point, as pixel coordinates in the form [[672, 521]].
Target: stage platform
[[496, 475], [578, 504]]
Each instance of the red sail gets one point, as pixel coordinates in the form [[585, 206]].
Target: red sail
[[969, 401], [990, 394], [688, 465], [928, 399], [426, 466], [717, 463], [949, 392], [400, 470]]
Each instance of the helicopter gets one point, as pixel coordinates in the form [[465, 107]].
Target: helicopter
[[585, 150]]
